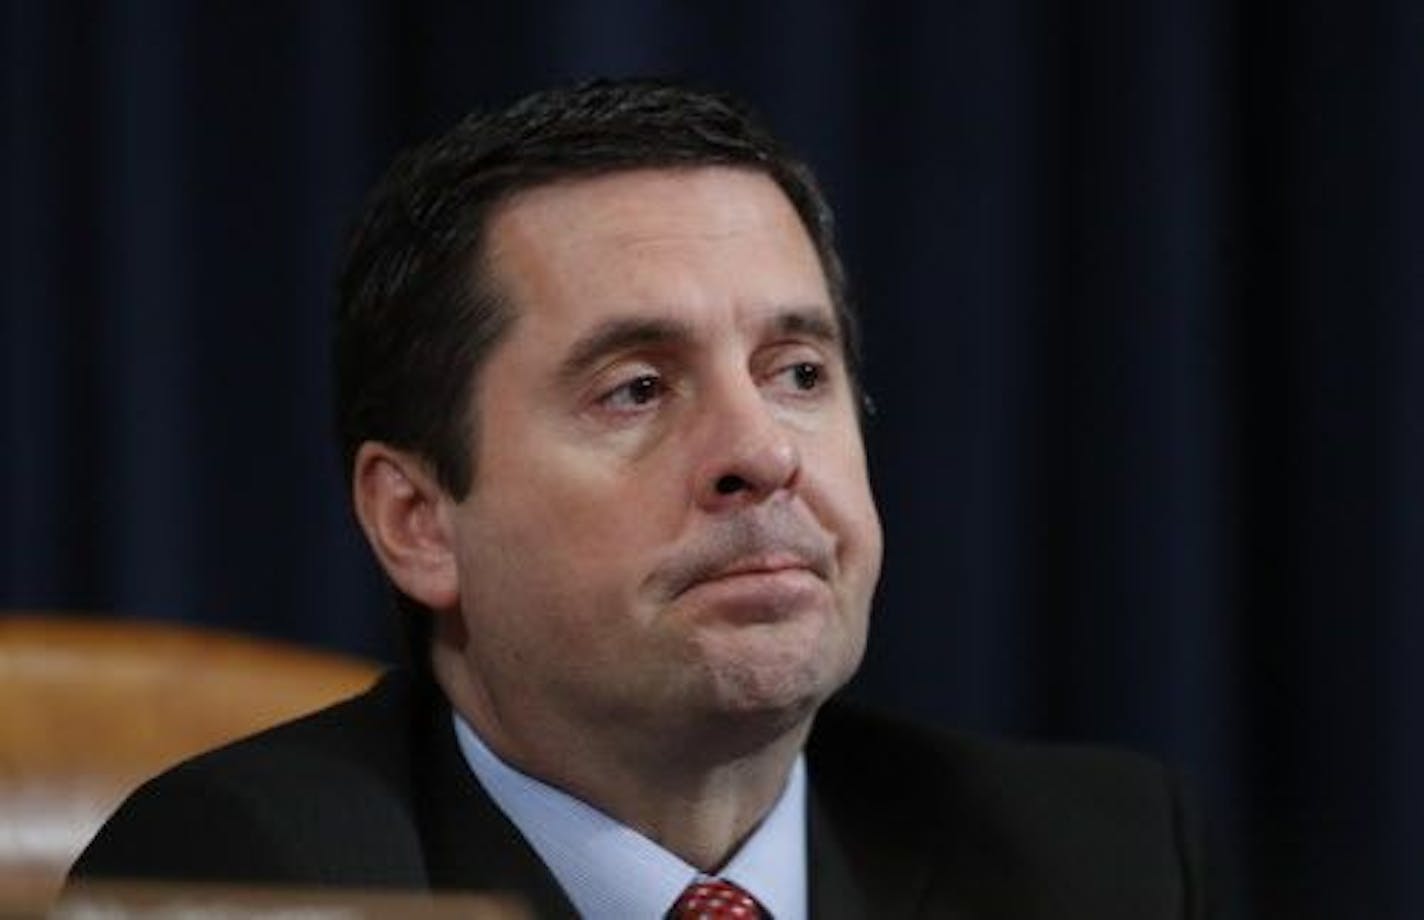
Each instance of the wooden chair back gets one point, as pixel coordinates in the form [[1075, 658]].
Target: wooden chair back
[[90, 707]]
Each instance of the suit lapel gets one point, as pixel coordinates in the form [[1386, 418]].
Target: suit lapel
[[864, 863], [857, 871], [469, 843], [883, 839], [837, 892]]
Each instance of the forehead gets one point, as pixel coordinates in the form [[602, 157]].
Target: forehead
[[704, 243]]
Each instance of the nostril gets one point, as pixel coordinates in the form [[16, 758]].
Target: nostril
[[729, 484]]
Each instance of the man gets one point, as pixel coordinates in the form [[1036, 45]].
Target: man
[[598, 398]]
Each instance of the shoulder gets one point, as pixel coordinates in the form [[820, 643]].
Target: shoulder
[[1035, 819], [319, 799], [848, 732], [852, 745]]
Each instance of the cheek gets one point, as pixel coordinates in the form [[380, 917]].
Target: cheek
[[576, 524], [838, 487], [837, 465]]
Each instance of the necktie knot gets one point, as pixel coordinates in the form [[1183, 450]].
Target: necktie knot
[[715, 899]]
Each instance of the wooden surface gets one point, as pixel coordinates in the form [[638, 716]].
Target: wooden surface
[[200, 902], [91, 707]]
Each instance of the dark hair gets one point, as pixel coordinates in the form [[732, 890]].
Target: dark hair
[[417, 312]]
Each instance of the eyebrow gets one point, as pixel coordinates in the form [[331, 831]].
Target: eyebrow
[[619, 334], [627, 333], [811, 322]]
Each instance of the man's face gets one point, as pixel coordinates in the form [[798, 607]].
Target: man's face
[[670, 520]]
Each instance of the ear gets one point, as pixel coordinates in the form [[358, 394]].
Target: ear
[[404, 512]]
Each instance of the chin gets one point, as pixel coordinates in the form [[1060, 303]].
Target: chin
[[779, 688], [761, 681]]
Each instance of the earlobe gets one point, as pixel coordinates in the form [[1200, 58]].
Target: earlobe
[[400, 506]]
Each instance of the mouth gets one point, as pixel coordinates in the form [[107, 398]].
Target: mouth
[[773, 550], [757, 590], [770, 566]]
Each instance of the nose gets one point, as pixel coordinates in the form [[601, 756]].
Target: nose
[[747, 454]]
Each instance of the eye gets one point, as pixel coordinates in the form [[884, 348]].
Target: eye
[[635, 393], [806, 375], [801, 377]]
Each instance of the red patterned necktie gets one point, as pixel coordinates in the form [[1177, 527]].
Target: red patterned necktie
[[714, 899]]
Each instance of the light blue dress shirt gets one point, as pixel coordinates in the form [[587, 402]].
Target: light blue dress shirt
[[611, 872]]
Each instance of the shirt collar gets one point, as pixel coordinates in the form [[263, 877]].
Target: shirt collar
[[609, 870]]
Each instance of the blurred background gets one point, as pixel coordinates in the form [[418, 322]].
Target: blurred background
[[1143, 289]]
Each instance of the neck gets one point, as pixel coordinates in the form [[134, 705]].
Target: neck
[[698, 790], [701, 811]]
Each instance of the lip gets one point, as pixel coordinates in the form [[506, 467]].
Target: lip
[[757, 591], [769, 564], [764, 565], [753, 580]]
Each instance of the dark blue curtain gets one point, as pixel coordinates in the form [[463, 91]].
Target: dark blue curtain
[[1144, 293]]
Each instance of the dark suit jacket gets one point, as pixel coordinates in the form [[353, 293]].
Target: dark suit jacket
[[903, 822]]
